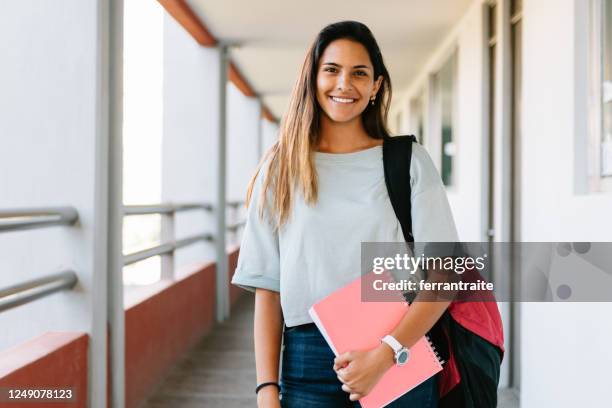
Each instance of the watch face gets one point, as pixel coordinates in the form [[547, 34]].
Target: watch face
[[402, 357]]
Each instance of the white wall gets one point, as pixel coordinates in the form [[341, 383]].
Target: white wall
[[465, 194], [50, 156], [269, 134], [565, 352], [190, 138], [243, 115], [243, 121]]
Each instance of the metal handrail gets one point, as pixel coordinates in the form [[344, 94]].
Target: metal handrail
[[163, 249], [168, 211], [30, 218], [26, 292], [164, 208]]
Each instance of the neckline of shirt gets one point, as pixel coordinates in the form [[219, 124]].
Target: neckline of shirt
[[359, 156]]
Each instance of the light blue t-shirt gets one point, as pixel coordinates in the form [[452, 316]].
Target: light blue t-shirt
[[318, 250]]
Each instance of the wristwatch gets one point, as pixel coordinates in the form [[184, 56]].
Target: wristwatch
[[401, 353]]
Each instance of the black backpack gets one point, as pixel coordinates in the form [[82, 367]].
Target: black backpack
[[478, 361]]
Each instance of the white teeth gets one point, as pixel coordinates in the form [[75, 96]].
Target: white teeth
[[342, 100]]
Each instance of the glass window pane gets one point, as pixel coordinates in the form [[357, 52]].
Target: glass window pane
[[516, 6], [492, 21], [446, 81]]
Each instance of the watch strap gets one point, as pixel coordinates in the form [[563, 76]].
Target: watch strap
[[391, 341]]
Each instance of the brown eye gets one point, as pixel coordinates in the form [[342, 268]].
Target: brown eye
[[361, 73], [329, 69]]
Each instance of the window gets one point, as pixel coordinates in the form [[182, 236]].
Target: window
[[600, 70], [516, 8], [445, 92]]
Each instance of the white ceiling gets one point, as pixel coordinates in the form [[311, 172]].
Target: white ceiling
[[272, 35]]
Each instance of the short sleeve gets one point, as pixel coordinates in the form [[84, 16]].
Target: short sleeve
[[432, 218], [258, 261]]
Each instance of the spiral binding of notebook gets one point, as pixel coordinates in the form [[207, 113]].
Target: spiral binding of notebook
[[435, 352]]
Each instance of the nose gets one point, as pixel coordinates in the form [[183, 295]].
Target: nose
[[344, 82]]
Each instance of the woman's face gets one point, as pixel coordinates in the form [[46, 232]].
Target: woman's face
[[345, 80]]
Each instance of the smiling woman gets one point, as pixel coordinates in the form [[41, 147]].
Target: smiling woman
[[316, 196]]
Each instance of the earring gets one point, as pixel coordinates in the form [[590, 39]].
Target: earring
[[372, 101]]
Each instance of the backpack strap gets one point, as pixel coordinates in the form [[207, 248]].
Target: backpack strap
[[397, 155]]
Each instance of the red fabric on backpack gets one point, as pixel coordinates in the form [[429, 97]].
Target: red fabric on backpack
[[480, 316], [477, 311]]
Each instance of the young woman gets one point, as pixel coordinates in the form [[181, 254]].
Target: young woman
[[317, 194]]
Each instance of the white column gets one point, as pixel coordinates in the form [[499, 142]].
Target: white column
[[116, 310], [222, 278]]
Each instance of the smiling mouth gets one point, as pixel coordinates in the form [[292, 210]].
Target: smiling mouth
[[342, 100]]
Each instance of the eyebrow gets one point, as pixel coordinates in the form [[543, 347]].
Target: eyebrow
[[340, 66]]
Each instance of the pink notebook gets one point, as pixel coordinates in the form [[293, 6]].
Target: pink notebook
[[347, 324]]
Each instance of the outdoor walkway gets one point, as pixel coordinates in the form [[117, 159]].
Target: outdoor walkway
[[220, 371]]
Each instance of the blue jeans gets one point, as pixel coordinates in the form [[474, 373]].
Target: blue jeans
[[308, 379]]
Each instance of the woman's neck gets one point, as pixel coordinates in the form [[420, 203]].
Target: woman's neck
[[344, 137]]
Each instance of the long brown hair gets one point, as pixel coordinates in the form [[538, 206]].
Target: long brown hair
[[290, 160]]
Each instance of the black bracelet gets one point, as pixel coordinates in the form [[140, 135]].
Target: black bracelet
[[260, 386]]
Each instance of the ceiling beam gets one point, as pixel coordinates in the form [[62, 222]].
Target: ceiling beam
[[266, 114], [234, 76], [186, 17]]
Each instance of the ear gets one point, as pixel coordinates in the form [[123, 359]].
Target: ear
[[377, 85]]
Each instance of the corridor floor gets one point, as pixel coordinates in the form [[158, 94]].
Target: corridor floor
[[220, 371]]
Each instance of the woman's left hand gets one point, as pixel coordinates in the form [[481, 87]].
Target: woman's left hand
[[360, 371]]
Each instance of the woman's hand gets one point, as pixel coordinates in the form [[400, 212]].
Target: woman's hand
[[360, 371]]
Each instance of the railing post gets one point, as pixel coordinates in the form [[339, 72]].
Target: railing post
[[167, 235], [114, 306], [222, 293]]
